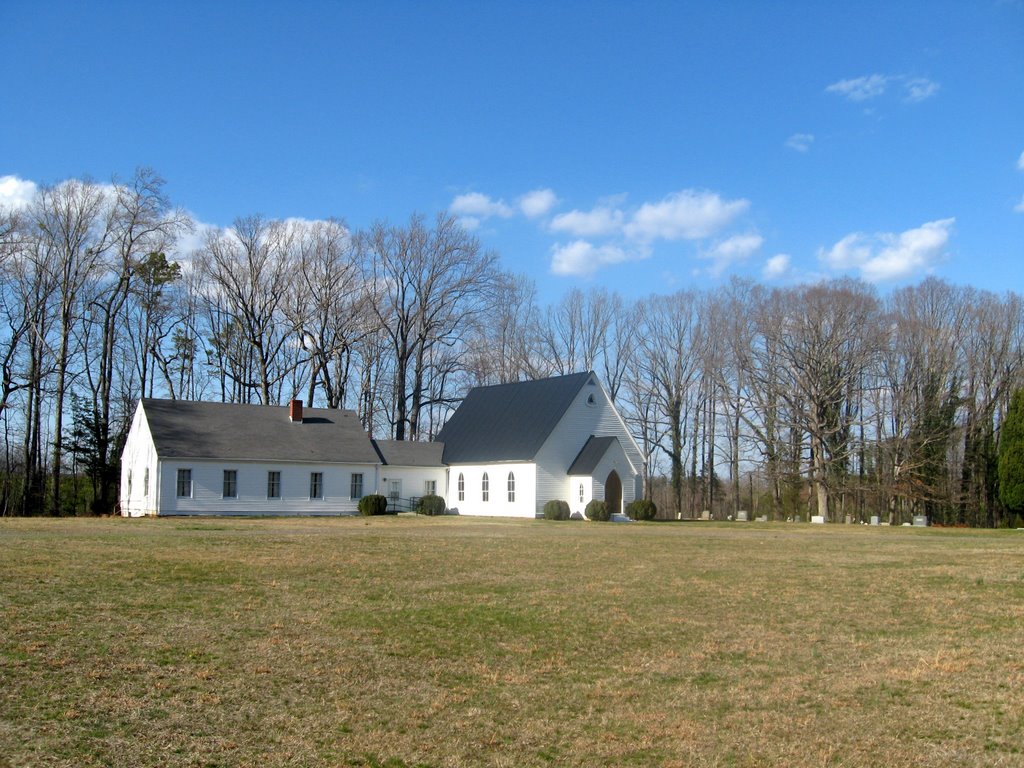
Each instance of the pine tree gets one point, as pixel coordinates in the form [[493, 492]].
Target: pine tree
[[1011, 455]]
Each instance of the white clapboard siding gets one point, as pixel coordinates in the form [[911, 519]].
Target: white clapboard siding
[[139, 494], [414, 480], [581, 420], [497, 505], [208, 485]]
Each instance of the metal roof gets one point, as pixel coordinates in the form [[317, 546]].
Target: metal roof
[[508, 422], [592, 453], [408, 453], [184, 429]]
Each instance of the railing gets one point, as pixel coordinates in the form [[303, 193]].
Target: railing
[[398, 504]]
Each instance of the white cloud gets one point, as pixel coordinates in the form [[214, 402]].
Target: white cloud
[[801, 142], [581, 258], [537, 203], [16, 193], [686, 215], [860, 88], [915, 89], [1020, 162], [473, 208], [187, 243], [730, 251], [602, 220], [889, 256], [777, 266], [919, 88]]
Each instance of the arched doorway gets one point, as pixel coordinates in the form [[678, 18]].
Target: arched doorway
[[613, 493]]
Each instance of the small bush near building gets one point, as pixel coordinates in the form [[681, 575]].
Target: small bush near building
[[642, 509], [598, 510], [374, 504], [556, 509], [431, 505]]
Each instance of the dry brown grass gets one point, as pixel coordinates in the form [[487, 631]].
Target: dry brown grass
[[460, 642]]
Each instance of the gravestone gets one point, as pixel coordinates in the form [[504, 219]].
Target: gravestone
[[705, 515], [742, 516], [875, 520], [819, 519], [921, 521]]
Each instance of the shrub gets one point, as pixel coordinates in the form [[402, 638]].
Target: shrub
[[556, 509], [374, 504], [642, 509], [431, 505], [598, 510]]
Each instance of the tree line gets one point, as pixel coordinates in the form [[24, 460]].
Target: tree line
[[812, 399]]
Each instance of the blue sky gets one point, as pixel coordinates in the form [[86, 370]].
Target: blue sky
[[641, 146]]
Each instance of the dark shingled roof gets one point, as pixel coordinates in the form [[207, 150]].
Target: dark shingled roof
[[192, 430], [592, 452], [408, 453], [508, 422]]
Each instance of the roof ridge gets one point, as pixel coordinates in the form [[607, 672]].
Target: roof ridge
[[528, 382]]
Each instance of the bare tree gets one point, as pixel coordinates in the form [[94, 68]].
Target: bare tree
[[642, 417], [153, 317], [329, 305], [72, 221], [429, 284], [826, 343], [756, 322], [139, 224], [575, 331], [249, 269], [15, 314], [671, 345], [921, 374], [617, 351], [502, 344]]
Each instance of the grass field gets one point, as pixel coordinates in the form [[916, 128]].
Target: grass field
[[459, 642]]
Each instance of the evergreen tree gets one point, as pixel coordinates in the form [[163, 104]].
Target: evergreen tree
[[1011, 455]]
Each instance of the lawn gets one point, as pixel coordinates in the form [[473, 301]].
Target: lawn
[[408, 641]]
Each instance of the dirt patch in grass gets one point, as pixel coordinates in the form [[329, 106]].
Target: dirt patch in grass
[[459, 642]]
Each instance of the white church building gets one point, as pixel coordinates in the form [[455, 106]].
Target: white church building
[[506, 451]]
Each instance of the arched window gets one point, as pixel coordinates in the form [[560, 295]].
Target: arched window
[[462, 487], [581, 493], [511, 487], [485, 488]]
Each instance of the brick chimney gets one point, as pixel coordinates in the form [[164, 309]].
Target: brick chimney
[[295, 411]]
